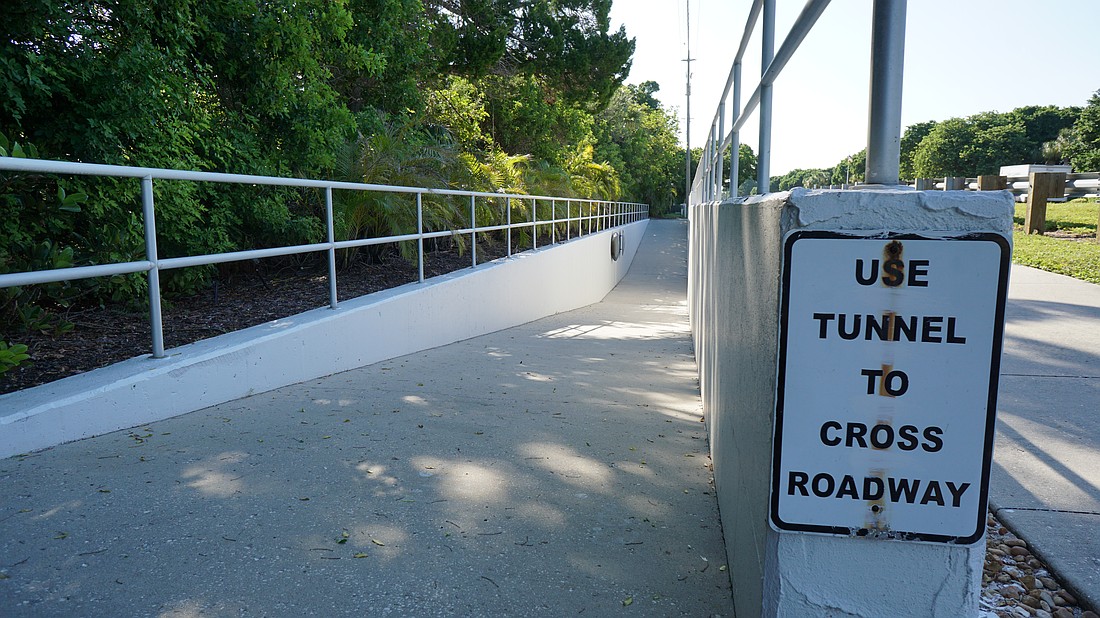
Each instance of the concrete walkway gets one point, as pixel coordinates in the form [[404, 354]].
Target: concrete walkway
[[1045, 482], [558, 468]]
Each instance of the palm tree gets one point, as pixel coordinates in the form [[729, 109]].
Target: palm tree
[[398, 155]]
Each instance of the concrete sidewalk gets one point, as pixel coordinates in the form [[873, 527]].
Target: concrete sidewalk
[[1045, 482], [557, 468]]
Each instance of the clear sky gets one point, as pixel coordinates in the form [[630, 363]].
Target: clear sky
[[961, 57]]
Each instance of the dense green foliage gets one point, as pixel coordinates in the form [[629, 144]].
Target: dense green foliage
[[1080, 144], [982, 143], [523, 96], [637, 136]]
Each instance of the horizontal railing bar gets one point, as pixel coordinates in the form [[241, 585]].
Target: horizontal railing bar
[[15, 164], [493, 228], [806, 20], [153, 264], [444, 233], [75, 273], [750, 24], [366, 242], [237, 256]]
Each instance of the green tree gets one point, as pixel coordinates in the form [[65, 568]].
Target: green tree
[[240, 87], [400, 154], [982, 143], [851, 170], [795, 178], [391, 39], [638, 137], [1083, 150], [568, 43], [458, 106], [526, 115], [914, 134], [746, 164]]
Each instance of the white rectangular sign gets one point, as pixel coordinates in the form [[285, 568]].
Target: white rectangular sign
[[889, 354]]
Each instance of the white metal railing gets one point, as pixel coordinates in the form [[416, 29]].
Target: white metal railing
[[1083, 184], [599, 215], [884, 128]]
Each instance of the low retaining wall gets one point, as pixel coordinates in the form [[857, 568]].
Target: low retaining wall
[[362, 331]]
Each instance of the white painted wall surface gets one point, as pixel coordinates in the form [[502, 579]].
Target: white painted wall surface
[[735, 272], [362, 331]]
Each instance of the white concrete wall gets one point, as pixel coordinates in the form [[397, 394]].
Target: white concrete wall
[[321, 342], [734, 273]]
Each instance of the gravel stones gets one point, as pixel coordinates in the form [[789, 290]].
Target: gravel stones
[[1016, 584]]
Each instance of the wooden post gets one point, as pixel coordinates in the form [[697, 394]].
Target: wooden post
[[1042, 186], [926, 184], [992, 182], [954, 183]]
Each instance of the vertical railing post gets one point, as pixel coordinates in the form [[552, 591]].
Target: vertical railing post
[[708, 176], [705, 170], [534, 224], [473, 230], [508, 207], [767, 53], [887, 66], [721, 138], [156, 323], [420, 233], [332, 298], [716, 161], [553, 222], [735, 137]]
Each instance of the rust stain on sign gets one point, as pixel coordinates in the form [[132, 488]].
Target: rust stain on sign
[[887, 369], [877, 518], [893, 268], [890, 317]]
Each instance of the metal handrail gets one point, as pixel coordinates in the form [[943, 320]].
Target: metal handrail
[[602, 214], [883, 147]]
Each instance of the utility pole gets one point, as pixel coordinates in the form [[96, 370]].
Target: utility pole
[[687, 115]]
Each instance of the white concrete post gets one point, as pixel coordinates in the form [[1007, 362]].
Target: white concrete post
[[735, 297]]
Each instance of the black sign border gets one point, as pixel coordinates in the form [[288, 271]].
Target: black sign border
[[991, 406]]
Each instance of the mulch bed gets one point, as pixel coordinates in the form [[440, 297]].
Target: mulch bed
[[245, 295]]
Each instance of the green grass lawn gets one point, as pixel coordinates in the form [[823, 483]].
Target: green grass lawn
[[1077, 257]]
